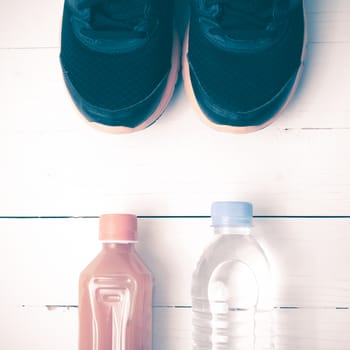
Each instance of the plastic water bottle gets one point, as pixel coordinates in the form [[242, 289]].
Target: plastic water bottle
[[231, 287], [115, 292]]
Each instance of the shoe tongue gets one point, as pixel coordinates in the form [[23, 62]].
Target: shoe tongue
[[247, 18], [122, 14], [118, 9], [254, 5], [111, 25], [121, 9]]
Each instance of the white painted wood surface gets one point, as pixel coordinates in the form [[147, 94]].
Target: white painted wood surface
[[52, 164], [56, 329], [55, 164]]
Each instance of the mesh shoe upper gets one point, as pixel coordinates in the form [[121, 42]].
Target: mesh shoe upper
[[116, 56], [243, 59]]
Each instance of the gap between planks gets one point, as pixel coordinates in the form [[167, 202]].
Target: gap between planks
[[155, 307]]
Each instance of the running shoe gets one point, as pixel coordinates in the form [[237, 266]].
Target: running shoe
[[243, 59], [120, 60]]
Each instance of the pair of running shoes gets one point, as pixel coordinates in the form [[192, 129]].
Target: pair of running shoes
[[241, 60]]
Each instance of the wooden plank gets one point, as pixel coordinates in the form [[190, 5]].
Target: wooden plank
[[56, 328], [41, 158], [37, 328], [48, 152], [284, 172], [312, 329], [42, 258], [34, 23]]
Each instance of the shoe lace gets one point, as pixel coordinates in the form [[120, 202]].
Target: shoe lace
[[100, 20], [242, 18]]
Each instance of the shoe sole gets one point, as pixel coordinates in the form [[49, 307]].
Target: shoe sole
[[165, 99], [237, 129]]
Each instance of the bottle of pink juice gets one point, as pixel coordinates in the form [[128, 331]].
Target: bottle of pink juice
[[115, 291]]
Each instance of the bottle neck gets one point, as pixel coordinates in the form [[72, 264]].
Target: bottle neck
[[233, 230], [120, 247]]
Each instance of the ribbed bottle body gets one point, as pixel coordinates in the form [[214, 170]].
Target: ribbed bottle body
[[232, 296], [115, 301]]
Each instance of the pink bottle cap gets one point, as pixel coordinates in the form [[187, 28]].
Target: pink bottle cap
[[118, 227]]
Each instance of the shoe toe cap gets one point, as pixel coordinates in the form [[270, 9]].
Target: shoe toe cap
[[252, 115]]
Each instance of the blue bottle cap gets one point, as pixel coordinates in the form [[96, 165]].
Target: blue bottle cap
[[232, 214]]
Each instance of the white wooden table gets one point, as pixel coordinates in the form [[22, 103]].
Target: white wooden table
[[58, 174]]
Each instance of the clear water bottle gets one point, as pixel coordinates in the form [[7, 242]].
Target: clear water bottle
[[231, 288]]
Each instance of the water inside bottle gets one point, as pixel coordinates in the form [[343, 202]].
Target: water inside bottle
[[229, 319]]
